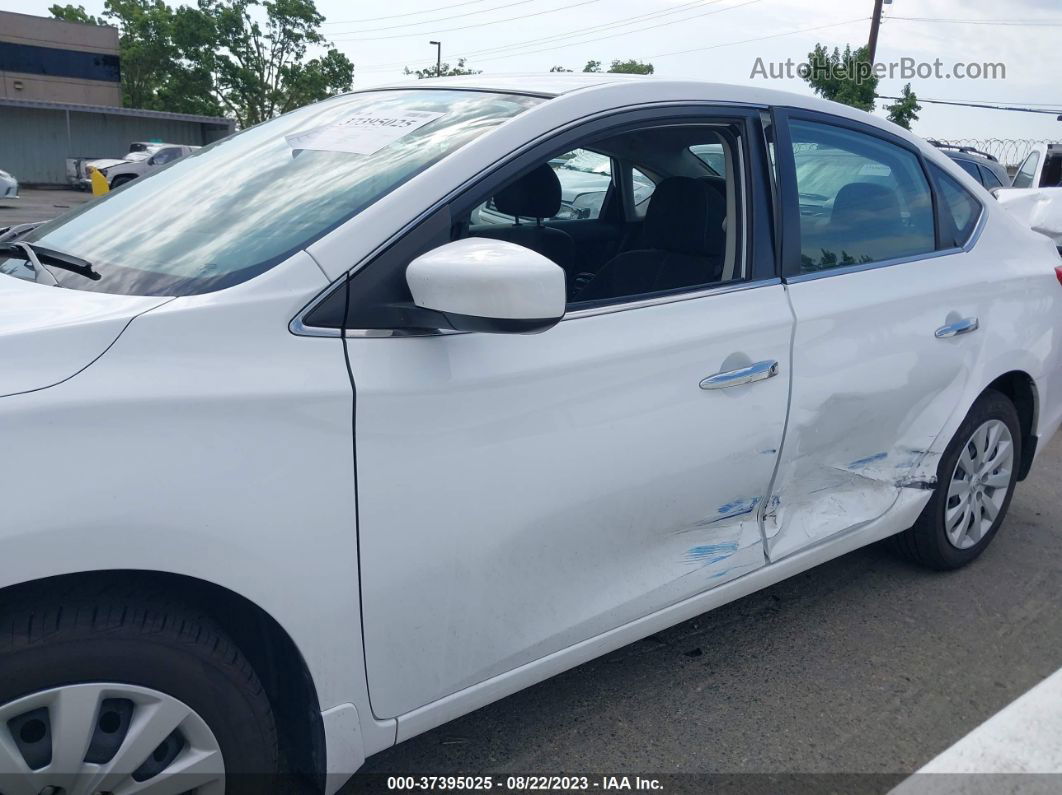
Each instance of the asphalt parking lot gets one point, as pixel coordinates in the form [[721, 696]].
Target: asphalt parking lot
[[866, 665], [39, 204]]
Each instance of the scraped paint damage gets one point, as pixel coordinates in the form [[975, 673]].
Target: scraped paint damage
[[707, 554]]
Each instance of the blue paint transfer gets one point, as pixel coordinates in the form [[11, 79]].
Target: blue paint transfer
[[738, 507], [865, 462], [707, 554]]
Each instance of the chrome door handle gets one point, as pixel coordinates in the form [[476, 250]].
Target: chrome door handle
[[743, 375], [964, 326]]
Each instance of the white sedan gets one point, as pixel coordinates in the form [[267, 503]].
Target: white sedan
[[302, 462]]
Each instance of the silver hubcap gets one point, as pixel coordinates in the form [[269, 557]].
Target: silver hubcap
[[979, 484], [106, 738]]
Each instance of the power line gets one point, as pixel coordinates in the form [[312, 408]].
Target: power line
[[400, 16], [474, 25], [434, 20], [620, 23], [1017, 23], [985, 105], [760, 38], [622, 33]]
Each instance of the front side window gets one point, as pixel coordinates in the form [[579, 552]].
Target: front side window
[[1027, 173], [680, 230], [234, 209], [862, 199]]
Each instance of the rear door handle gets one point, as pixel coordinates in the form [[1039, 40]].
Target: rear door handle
[[759, 371], [964, 326]]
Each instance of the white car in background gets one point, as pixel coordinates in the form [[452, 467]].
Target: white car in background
[[303, 461], [143, 158], [8, 186]]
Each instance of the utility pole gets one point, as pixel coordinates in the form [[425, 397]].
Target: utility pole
[[438, 57], [875, 24]]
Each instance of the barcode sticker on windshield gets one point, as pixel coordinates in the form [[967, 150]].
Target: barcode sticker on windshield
[[362, 133]]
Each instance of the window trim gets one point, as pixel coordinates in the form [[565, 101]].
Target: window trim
[[759, 265], [791, 268]]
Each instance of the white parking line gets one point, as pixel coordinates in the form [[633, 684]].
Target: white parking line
[[1025, 737]]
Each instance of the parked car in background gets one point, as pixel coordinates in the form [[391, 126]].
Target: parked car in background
[[1042, 168], [8, 186], [142, 158], [307, 458], [982, 166]]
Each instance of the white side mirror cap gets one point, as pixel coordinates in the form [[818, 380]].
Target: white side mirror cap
[[481, 284]]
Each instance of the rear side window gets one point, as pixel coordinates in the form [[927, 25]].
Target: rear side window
[[989, 179], [969, 168], [862, 199], [959, 210]]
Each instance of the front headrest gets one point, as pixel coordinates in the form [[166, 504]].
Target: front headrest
[[685, 215], [537, 194], [861, 203]]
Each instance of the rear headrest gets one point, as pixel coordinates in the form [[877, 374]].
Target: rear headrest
[[861, 203], [685, 215], [537, 194]]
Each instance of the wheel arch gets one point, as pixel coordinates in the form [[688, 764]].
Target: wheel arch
[[260, 637], [1020, 389]]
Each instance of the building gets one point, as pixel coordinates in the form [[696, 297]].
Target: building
[[60, 101], [54, 61]]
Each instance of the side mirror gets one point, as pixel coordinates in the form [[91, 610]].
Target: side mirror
[[480, 284]]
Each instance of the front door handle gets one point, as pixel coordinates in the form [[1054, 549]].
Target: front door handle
[[743, 375], [964, 326]]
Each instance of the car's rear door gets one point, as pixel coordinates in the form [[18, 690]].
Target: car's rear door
[[521, 494], [887, 323]]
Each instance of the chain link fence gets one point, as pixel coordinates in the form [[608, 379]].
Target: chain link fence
[[1008, 151]]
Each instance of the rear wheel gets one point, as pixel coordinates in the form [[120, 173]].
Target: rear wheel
[[975, 483], [128, 693]]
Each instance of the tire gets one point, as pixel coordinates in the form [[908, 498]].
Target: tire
[[135, 643], [929, 541], [120, 180]]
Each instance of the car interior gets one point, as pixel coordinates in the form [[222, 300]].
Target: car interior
[[636, 214]]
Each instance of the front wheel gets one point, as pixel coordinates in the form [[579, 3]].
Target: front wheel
[[120, 180], [975, 483], [128, 693]]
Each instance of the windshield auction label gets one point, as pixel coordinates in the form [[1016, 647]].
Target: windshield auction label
[[362, 133]]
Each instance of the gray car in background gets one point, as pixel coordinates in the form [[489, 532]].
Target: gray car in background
[[983, 167]]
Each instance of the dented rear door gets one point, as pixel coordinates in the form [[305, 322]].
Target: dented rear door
[[876, 371]]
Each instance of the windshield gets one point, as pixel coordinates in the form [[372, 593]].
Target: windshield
[[232, 210]]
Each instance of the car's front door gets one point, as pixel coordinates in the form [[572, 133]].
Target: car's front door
[[887, 310], [520, 494]]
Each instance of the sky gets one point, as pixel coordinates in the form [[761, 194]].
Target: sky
[[720, 41]]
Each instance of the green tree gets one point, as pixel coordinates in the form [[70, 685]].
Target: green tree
[[559, 69], [905, 109], [261, 66], [846, 77], [72, 13], [631, 67], [447, 70], [244, 58]]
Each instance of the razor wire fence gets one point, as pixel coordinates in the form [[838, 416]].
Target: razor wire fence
[[1008, 151]]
